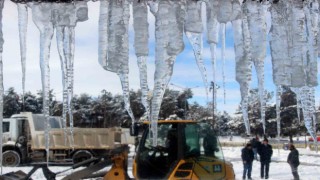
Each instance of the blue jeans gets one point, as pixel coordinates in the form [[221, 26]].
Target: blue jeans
[[247, 168]]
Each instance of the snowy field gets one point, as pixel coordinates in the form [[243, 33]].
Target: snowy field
[[309, 168]]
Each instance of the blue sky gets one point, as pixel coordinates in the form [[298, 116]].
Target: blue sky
[[91, 78]]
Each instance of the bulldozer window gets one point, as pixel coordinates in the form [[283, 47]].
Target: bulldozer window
[[155, 162]]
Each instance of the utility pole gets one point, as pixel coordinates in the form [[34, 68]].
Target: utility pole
[[185, 90]]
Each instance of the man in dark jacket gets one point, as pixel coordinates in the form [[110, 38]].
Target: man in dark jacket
[[293, 160], [255, 144], [247, 159], [265, 152]]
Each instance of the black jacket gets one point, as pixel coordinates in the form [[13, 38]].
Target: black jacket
[[247, 155], [293, 158], [265, 152], [255, 143]]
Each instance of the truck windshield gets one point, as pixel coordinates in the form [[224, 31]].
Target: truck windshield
[[39, 122], [5, 126]]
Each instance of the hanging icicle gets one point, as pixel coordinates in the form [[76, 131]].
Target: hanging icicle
[[193, 29], [278, 110], [23, 25], [114, 49], [212, 40], [256, 16], [42, 20], [243, 67], [65, 18], [169, 43], [223, 57], [141, 37]]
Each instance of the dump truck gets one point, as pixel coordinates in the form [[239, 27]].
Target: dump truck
[[24, 141]]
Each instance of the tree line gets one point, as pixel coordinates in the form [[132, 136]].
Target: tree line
[[107, 110]]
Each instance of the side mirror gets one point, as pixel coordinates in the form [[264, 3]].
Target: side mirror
[[134, 129]]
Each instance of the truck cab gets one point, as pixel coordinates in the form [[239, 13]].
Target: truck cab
[[15, 129]]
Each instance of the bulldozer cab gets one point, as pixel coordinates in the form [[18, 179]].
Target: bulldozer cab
[[178, 139]]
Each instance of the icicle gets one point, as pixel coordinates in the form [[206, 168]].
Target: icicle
[[279, 44], [103, 32], [298, 98], [193, 29], [278, 111], [69, 52], [169, 43], [42, 20], [65, 18], [23, 25], [196, 42], [223, 56], [311, 12], [1, 82], [114, 49], [308, 109], [243, 66], [60, 42], [142, 63], [212, 40], [256, 16], [141, 36]]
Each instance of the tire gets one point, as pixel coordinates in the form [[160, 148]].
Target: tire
[[11, 158], [81, 155]]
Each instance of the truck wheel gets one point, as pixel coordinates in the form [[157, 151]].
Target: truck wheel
[[80, 156], [11, 158]]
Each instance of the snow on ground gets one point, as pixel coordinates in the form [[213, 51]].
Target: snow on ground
[[309, 168]]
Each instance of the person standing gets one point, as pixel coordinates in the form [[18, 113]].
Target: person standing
[[247, 159], [293, 160], [255, 144], [265, 152]]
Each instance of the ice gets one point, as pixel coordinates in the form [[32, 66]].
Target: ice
[[60, 37], [114, 49], [308, 109], [297, 92], [154, 6], [42, 20], [169, 43], [295, 65], [23, 26], [212, 39], [279, 44], [278, 110], [223, 57], [243, 66], [1, 82], [228, 10], [65, 18], [193, 29], [141, 37], [256, 16]]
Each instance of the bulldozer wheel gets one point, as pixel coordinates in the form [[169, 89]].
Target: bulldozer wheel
[[11, 158], [80, 156]]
